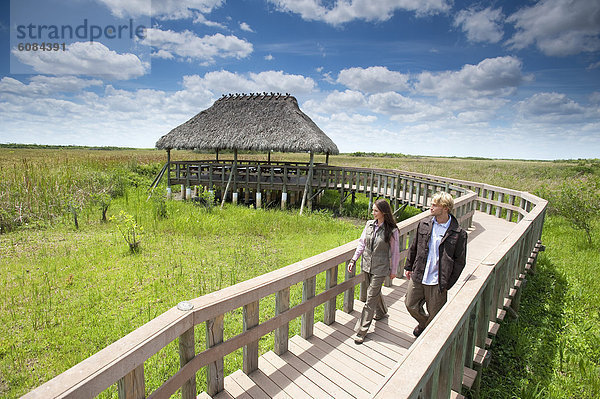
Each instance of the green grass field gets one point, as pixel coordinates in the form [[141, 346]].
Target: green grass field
[[69, 292]]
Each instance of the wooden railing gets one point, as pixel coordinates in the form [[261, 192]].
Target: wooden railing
[[284, 177], [460, 333], [457, 330]]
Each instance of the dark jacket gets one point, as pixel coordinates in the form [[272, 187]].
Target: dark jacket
[[453, 253]]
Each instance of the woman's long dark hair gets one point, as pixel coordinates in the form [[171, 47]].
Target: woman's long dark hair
[[389, 221]]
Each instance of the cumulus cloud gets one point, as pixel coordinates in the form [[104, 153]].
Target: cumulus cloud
[[224, 82], [555, 108], [201, 19], [84, 58], [405, 109], [337, 102], [188, 46], [373, 79], [349, 10], [558, 27], [245, 27], [491, 77], [481, 25], [269, 57], [45, 85], [171, 9]]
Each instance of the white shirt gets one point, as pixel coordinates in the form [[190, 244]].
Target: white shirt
[[430, 276]]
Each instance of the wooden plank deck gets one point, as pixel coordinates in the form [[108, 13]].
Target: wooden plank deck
[[330, 364]]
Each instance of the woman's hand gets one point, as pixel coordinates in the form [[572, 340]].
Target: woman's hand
[[351, 266], [392, 276], [408, 273]]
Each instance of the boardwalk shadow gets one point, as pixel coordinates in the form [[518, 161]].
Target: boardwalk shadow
[[525, 349]]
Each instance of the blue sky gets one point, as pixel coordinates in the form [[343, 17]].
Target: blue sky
[[512, 79]]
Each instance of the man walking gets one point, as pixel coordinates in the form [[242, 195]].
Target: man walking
[[435, 260]]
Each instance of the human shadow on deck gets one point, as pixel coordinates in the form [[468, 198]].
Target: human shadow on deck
[[475, 230]]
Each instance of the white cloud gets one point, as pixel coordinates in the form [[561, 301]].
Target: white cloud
[[191, 47], [481, 25], [491, 77], [201, 19], [344, 11], [45, 85], [269, 57], [225, 82], [405, 109], [84, 58], [558, 27], [556, 108], [337, 102], [170, 9], [245, 27], [373, 79]]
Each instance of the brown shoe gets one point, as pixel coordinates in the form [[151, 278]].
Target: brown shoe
[[418, 330], [358, 339]]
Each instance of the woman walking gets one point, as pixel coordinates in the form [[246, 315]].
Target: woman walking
[[379, 248]]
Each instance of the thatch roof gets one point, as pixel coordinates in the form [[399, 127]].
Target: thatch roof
[[260, 122]]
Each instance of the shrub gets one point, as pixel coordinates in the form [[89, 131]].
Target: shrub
[[131, 231], [577, 201]]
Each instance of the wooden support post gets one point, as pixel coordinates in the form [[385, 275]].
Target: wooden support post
[[284, 189], [349, 293], [371, 188], [187, 353], [250, 352], [308, 183], [234, 191], [169, 190], [282, 304], [331, 276], [132, 386], [214, 372], [308, 319]]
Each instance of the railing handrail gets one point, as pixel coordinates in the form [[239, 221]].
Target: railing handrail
[[411, 376]]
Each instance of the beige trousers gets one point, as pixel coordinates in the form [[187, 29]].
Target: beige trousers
[[419, 295], [374, 304]]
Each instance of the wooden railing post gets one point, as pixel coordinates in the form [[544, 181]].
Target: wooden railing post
[[282, 303], [132, 386], [214, 371], [331, 276], [250, 357], [308, 319], [187, 353]]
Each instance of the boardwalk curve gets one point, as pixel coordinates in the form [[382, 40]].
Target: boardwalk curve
[[504, 232]]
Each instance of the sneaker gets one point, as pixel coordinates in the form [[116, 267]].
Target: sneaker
[[358, 339], [380, 317]]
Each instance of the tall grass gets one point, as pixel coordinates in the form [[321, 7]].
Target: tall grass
[[68, 292], [553, 349]]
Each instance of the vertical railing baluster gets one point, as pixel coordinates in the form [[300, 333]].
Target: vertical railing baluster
[[331, 276], [132, 386], [250, 352], [214, 371], [282, 304], [308, 319], [187, 353]]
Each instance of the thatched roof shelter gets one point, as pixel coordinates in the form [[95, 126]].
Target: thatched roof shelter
[[259, 122]]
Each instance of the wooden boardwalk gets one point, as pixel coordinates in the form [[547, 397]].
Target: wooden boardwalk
[[330, 365]]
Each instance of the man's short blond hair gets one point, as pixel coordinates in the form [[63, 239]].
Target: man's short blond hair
[[443, 199]]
